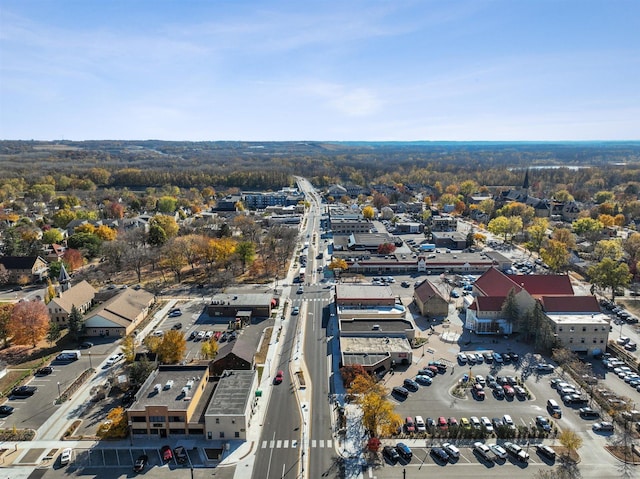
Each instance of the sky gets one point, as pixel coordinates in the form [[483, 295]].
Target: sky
[[341, 70]]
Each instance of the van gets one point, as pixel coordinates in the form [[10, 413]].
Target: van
[[420, 425], [554, 409]]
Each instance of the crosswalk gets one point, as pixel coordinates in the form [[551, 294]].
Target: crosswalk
[[294, 444], [310, 300]]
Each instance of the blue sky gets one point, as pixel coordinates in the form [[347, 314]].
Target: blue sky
[[320, 70]]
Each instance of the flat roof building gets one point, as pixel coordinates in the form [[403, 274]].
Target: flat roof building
[[230, 408]]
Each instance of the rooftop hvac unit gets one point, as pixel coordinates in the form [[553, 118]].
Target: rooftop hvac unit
[[169, 384]]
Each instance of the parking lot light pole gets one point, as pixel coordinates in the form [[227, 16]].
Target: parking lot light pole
[[59, 390], [90, 365]]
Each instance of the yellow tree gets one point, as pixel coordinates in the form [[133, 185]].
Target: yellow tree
[[608, 249], [537, 233], [555, 254], [116, 425], [29, 322], [378, 414], [172, 347], [223, 249], [128, 347], [368, 212], [209, 349], [338, 263], [570, 440], [564, 236], [85, 228], [607, 220], [105, 233], [167, 223]]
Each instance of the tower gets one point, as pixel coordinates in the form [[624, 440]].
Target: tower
[[64, 279]]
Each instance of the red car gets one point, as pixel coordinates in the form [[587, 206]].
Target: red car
[[442, 423], [279, 377], [478, 391], [409, 425], [508, 390], [166, 453]]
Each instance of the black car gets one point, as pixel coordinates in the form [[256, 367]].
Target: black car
[[86, 345], [5, 410], [588, 413], [411, 384], [546, 451], [45, 371], [391, 454], [543, 423], [176, 326], [24, 391], [440, 454], [498, 393], [181, 455], [141, 463]]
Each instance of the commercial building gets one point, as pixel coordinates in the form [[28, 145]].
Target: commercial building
[[429, 300], [231, 407], [120, 315]]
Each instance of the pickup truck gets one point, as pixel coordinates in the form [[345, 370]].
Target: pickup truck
[[516, 451]]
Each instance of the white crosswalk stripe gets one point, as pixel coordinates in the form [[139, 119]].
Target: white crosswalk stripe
[[293, 444]]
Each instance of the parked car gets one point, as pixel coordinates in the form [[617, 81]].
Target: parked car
[[45, 371], [65, 457], [423, 379], [451, 450], [602, 426], [23, 391], [5, 410], [545, 368], [516, 451], [141, 463], [498, 451], [166, 453], [409, 425], [486, 423], [420, 425], [114, 359], [411, 384], [546, 451], [482, 450], [543, 423], [181, 455], [404, 451], [588, 413], [399, 391], [86, 345], [440, 454], [391, 454]]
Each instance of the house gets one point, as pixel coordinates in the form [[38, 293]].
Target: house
[[429, 300], [23, 269], [237, 355], [119, 315]]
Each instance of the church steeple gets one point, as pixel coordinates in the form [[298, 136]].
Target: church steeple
[[64, 279], [525, 183]]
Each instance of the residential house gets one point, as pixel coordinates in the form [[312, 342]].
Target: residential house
[[120, 315], [23, 269]]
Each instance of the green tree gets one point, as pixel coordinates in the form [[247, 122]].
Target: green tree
[[157, 235], [610, 274], [52, 236], [89, 243], [246, 252], [53, 333], [167, 204], [167, 223], [140, 370], [499, 226], [588, 227], [509, 310], [603, 197], [563, 196], [75, 324]]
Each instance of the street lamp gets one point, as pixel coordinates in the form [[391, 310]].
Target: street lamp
[[90, 365], [59, 390]]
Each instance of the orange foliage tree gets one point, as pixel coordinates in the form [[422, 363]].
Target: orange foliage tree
[[73, 259], [29, 322]]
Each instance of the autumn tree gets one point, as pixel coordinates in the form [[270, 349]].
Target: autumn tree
[[378, 414], [174, 260], [368, 212], [114, 210], [167, 204], [555, 255], [537, 234], [386, 248], [166, 223], [209, 349], [588, 227], [564, 236], [128, 346], [72, 259], [172, 347], [610, 274], [337, 265], [52, 236], [29, 322], [379, 201], [506, 227], [116, 426], [105, 233], [350, 372], [570, 440], [608, 249]]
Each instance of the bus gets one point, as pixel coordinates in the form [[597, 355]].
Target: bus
[[302, 274]]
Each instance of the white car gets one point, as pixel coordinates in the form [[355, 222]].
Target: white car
[[506, 419], [114, 359], [486, 422], [65, 457], [420, 425], [498, 450], [475, 422], [208, 335], [452, 450]]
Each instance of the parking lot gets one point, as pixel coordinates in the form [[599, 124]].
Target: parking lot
[[112, 458]]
